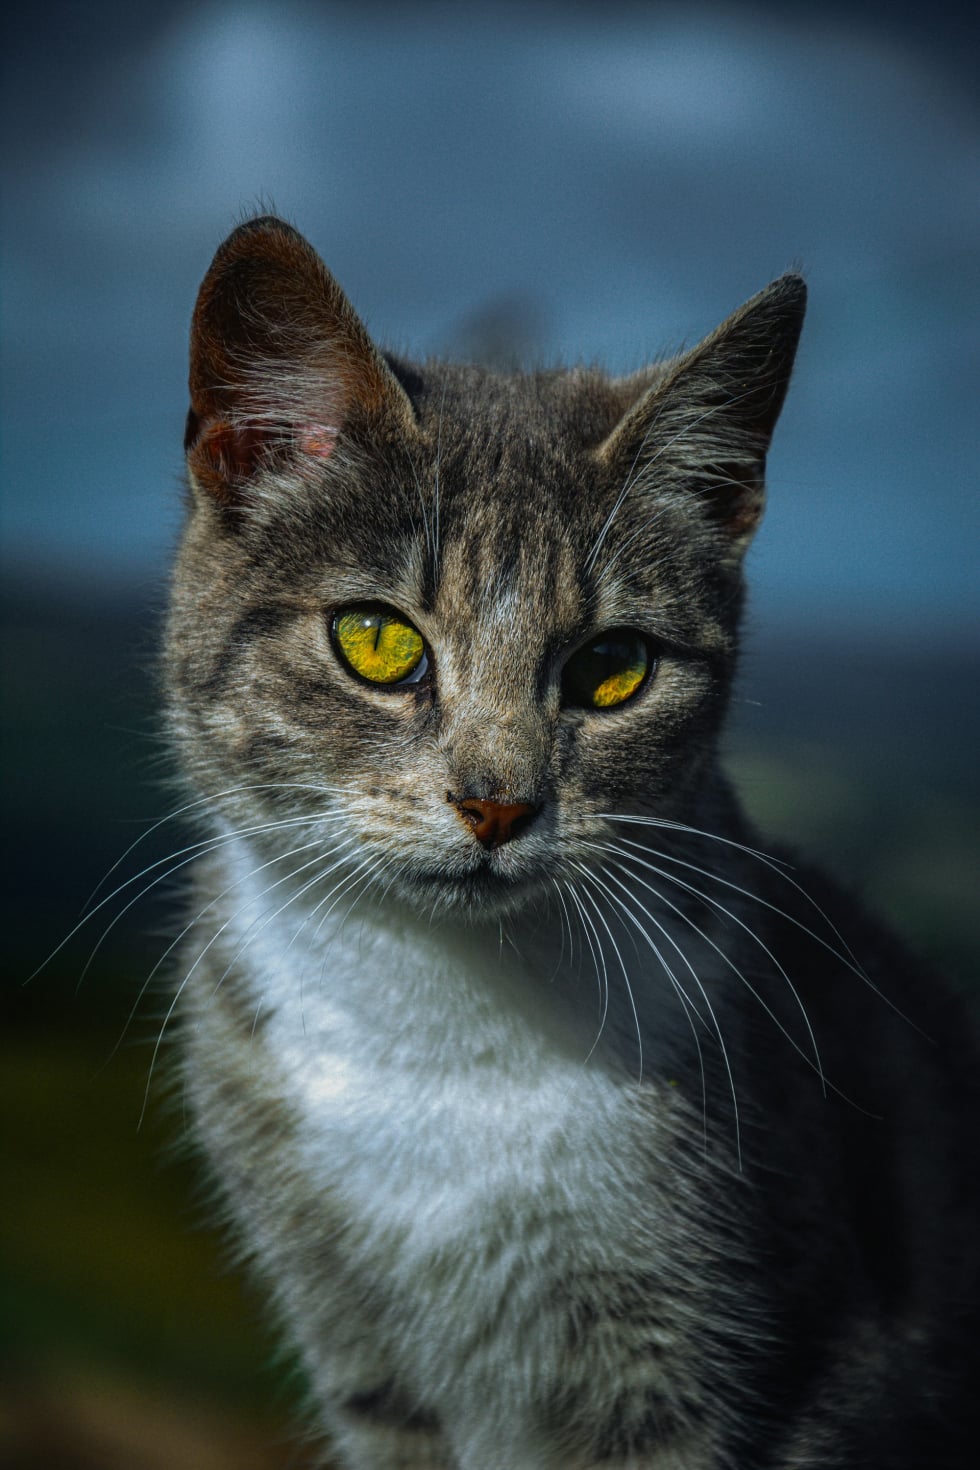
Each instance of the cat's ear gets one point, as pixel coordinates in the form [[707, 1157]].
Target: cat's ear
[[704, 421], [280, 363]]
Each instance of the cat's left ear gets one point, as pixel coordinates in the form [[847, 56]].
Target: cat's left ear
[[705, 423]]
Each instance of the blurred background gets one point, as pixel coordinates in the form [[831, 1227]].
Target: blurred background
[[515, 183]]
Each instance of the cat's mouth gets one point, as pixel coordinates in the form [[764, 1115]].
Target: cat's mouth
[[489, 888]]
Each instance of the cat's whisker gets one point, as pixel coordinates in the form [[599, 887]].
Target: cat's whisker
[[388, 883], [188, 928], [381, 865], [592, 882], [188, 854], [210, 800], [366, 863], [598, 960], [266, 917], [846, 958], [776, 865], [631, 858], [202, 954], [340, 854], [814, 1062], [359, 877], [669, 824], [255, 1021], [565, 926], [378, 881], [195, 851], [686, 1001]]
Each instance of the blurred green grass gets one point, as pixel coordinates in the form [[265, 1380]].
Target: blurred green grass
[[101, 1251], [111, 1282]]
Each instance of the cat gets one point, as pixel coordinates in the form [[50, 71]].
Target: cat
[[565, 1125]]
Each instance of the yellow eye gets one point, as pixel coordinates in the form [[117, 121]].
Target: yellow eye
[[608, 671], [379, 645]]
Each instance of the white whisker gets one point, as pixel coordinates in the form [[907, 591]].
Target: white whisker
[[779, 866], [213, 940], [566, 925], [592, 880], [264, 919], [847, 958], [193, 850], [747, 929], [211, 800], [682, 994], [598, 960]]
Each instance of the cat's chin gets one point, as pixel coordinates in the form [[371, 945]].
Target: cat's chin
[[476, 896]]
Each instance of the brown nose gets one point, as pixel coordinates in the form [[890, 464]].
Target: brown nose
[[495, 822]]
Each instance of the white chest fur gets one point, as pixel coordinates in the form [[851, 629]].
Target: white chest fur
[[434, 1073], [455, 1132], [461, 1148]]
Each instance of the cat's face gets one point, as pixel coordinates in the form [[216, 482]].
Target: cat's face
[[447, 625]]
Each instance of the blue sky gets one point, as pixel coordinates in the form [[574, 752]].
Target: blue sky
[[614, 179]]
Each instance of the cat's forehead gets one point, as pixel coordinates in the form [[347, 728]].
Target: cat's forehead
[[516, 416], [492, 521], [510, 503], [507, 453], [490, 569]]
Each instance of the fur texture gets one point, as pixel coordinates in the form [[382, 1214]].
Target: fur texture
[[616, 1143]]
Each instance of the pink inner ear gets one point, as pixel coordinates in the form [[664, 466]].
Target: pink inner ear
[[222, 454], [318, 440]]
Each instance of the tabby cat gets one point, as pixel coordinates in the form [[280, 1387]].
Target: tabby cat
[[565, 1126]]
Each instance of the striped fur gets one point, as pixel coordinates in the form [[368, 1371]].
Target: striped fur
[[614, 1145]]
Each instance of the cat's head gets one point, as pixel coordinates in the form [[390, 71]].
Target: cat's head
[[449, 623]]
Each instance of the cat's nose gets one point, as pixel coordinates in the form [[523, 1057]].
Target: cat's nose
[[495, 822]]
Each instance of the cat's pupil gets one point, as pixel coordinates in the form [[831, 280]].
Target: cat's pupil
[[608, 671]]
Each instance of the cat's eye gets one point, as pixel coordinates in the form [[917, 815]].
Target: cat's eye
[[607, 671], [380, 645]]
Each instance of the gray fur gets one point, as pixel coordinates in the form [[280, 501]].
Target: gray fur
[[615, 1145]]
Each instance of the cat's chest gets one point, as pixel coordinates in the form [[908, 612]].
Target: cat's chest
[[424, 1158], [430, 1079]]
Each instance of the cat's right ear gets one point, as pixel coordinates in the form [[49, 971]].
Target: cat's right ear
[[280, 364]]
